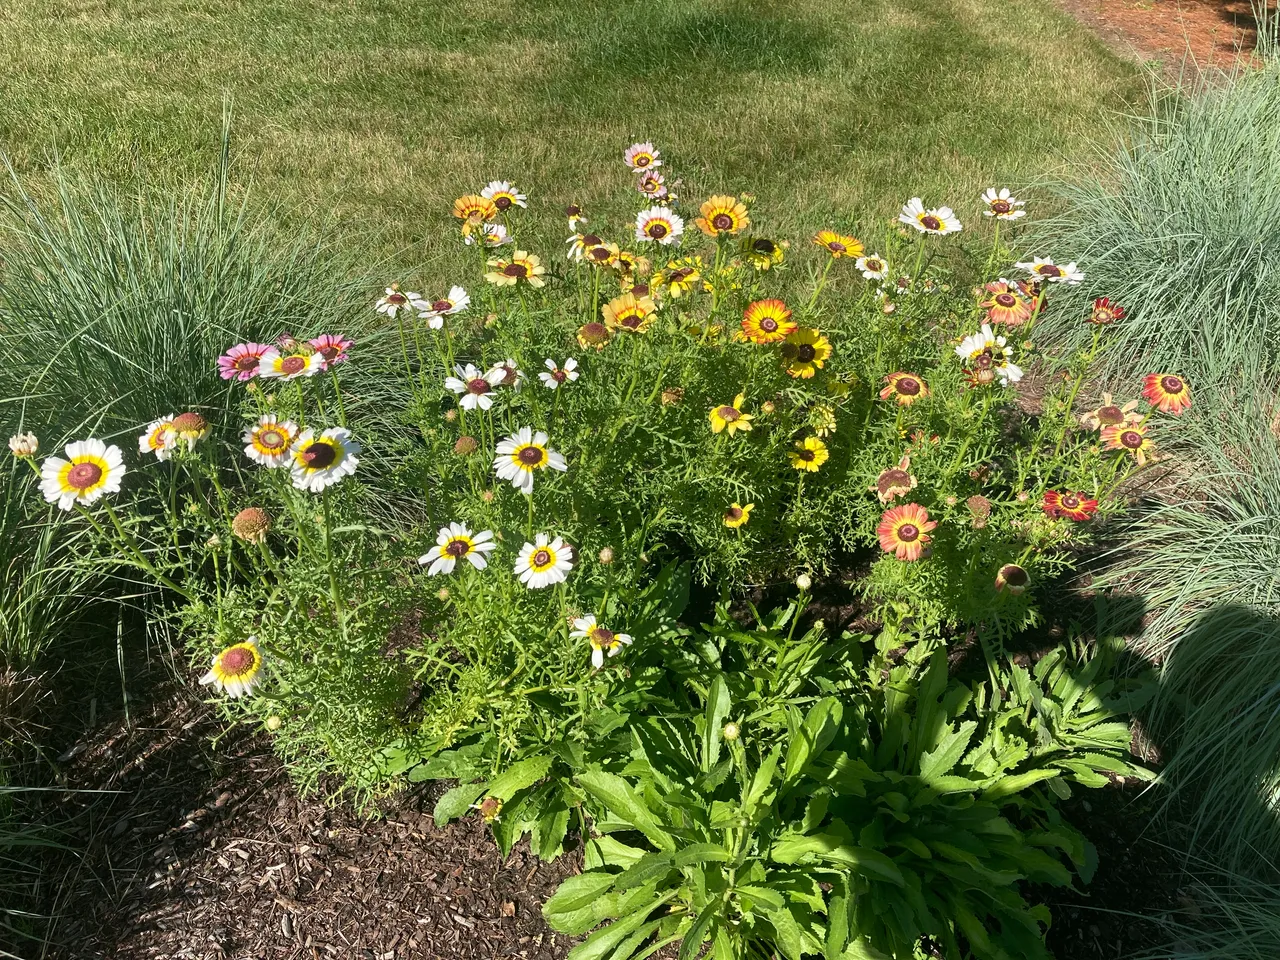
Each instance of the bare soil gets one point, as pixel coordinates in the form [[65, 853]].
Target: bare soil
[[1183, 35]]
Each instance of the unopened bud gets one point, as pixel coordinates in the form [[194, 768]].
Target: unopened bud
[[487, 496], [731, 732], [274, 723], [24, 444], [606, 555], [804, 582], [443, 594], [767, 407], [451, 415]]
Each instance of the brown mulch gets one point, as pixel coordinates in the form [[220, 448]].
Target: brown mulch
[[1201, 35], [209, 852]]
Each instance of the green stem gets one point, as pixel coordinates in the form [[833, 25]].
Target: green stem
[[338, 606]]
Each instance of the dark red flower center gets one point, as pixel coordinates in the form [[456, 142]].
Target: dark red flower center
[[806, 352], [679, 274], [478, 386], [517, 270], [531, 456], [236, 661], [397, 298], [84, 475], [1131, 439], [292, 365], [835, 246], [908, 386], [722, 221], [246, 363], [768, 325], [728, 414], [502, 202], [442, 306], [573, 210], [1001, 206], [909, 532], [1171, 384], [1110, 415], [657, 230], [1014, 575], [1050, 270], [602, 637], [640, 290], [599, 253], [559, 376], [541, 558], [329, 351], [642, 160], [590, 240], [457, 548], [733, 513], [930, 222], [1070, 501], [1006, 299], [319, 455], [875, 266], [764, 247], [806, 455], [631, 321], [594, 331]]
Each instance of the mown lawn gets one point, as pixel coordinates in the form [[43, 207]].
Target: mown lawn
[[381, 111]]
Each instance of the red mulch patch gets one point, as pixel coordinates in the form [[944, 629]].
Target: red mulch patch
[[1209, 34]]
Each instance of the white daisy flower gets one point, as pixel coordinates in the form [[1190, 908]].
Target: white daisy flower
[[554, 376], [475, 388], [509, 375], [580, 243], [491, 234], [520, 454], [90, 470], [642, 156], [544, 562], [393, 301], [237, 669], [269, 440], [435, 311], [938, 220], [659, 225], [1002, 205], [504, 195], [872, 266], [974, 348], [1044, 268], [289, 366], [158, 438], [456, 542], [322, 461], [602, 640]]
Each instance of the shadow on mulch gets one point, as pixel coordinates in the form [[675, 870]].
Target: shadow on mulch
[[209, 852]]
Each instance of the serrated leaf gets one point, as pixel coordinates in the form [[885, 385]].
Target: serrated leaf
[[718, 706], [940, 761], [577, 892], [691, 945], [456, 802], [702, 853], [518, 776], [618, 796], [652, 866]]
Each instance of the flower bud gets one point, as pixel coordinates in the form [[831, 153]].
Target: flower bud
[[606, 555], [443, 594], [768, 407], [24, 444], [451, 415], [804, 582], [731, 732], [274, 723], [487, 496]]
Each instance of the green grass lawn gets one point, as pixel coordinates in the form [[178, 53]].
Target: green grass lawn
[[381, 111]]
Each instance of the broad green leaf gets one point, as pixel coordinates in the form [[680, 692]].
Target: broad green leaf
[[691, 945], [616, 794], [551, 830], [521, 774], [1008, 786], [765, 898], [456, 802], [718, 706], [615, 852], [702, 853], [829, 847], [761, 782], [790, 939], [652, 866], [603, 942], [939, 762], [577, 892]]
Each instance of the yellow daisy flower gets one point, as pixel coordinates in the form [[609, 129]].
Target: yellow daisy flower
[[474, 208], [809, 455], [737, 515], [723, 214], [730, 417], [805, 351], [767, 321], [629, 312], [522, 266], [837, 244]]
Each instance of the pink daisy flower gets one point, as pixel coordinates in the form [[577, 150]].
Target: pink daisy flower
[[333, 348], [241, 361]]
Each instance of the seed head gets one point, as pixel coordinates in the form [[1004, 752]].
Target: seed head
[[606, 555], [466, 446], [804, 581], [731, 732], [251, 524], [980, 508]]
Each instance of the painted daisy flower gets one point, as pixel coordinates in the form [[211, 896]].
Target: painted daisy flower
[[737, 515], [594, 335], [489, 234], [730, 417], [189, 428], [90, 470], [895, 482], [1045, 269], [1070, 504], [630, 265], [544, 562], [763, 253], [603, 254], [905, 388], [938, 221], [642, 156], [767, 321], [659, 225], [456, 542], [241, 362], [1110, 414], [1012, 578], [236, 670], [575, 214], [510, 375], [1005, 304], [522, 266], [474, 209], [654, 186], [1131, 438], [822, 418], [679, 277], [268, 441], [872, 266], [805, 351], [1001, 205], [553, 377], [1167, 392], [522, 453], [157, 439], [809, 454], [331, 348], [435, 311], [986, 351], [904, 531], [602, 641], [289, 366], [580, 243], [504, 195], [473, 387], [838, 244], [322, 461], [722, 215], [629, 312], [393, 301], [1104, 312]]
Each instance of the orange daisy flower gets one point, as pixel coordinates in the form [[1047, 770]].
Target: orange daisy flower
[[767, 321], [474, 207], [1167, 392], [1072, 505], [723, 214], [906, 387], [1005, 304], [904, 531], [1131, 438]]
